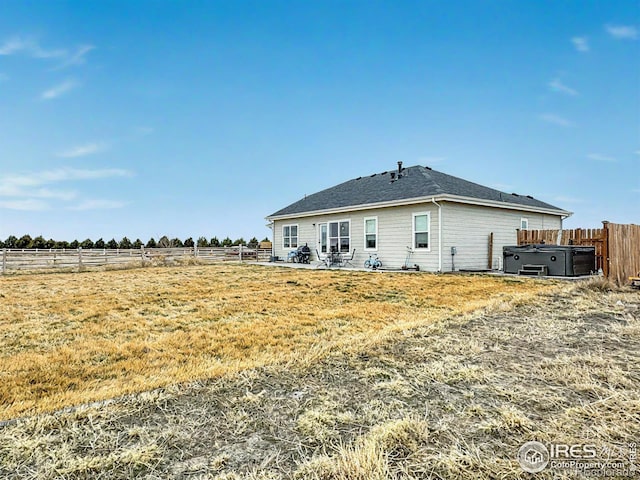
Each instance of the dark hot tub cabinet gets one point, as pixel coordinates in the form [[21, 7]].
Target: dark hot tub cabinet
[[557, 260]]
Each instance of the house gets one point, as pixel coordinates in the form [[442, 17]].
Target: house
[[449, 223]]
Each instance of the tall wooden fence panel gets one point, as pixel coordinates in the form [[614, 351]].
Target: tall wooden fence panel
[[617, 246], [624, 251]]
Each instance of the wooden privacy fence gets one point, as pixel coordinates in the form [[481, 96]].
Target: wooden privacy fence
[[617, 246], [38, 259], [624, 251]]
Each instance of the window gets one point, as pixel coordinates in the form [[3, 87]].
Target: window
[[421, 230], [290, 236], [339, 236], [524, 223], [371, 233]]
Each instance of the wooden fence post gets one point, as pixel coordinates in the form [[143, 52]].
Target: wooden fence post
[[4, 260], [240, 253], [605, 248], [490, 251], [79, 258]]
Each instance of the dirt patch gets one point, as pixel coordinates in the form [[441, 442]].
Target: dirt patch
[[452, 399]]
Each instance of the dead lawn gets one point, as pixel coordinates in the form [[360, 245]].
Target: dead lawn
[[447, 399], [68, 339]]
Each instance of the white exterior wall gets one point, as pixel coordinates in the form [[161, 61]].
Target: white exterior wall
[[395, 234], [467, 227]]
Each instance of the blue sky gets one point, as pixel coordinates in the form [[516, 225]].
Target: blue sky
[[150, 118]]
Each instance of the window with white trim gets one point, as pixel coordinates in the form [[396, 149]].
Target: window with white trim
[[371, 233], [421, 226], [524, 223], [340, 236], [290, 236]]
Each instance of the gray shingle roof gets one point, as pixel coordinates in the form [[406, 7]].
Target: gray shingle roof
[[415, 182]]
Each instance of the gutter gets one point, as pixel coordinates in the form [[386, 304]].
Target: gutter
[[433, 200], [417, 200], [563, 218]]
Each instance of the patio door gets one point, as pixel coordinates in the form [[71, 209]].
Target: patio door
[[322, 238]]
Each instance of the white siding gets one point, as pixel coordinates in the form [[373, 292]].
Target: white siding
[[467, 227], [394, 235]]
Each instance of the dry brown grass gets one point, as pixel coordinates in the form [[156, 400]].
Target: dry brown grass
[[67, 339], [450, 399]]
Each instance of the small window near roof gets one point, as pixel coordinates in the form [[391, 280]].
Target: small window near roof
[[524, 224]]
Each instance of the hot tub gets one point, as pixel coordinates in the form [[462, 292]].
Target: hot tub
[[560, 260]]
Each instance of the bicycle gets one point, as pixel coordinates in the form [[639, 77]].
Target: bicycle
[[373, 262]]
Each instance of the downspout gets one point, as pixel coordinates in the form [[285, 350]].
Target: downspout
[[271, 226], [433, 200], [563, 218]]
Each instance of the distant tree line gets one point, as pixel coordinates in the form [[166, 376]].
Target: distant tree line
[[164, 242]]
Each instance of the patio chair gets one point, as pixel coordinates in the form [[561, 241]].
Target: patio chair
[[323, 260], [347, 261]]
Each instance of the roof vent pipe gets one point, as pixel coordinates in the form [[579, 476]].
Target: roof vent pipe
[[399, 167]]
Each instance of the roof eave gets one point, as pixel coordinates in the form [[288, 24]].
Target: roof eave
[[427, 199], [506, 205]]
